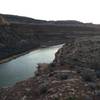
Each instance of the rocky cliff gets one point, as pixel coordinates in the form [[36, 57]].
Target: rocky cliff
[[73, 75], [19, 34], [82, 52]]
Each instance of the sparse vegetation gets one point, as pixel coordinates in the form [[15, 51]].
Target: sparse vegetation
[[72, 98], [43, 89], [63, 76], [98, 73], [56, 98], [88, 75]]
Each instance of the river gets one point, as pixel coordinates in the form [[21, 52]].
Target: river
[[25, 66]]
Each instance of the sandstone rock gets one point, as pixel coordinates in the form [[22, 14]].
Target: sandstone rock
[[3, 21]]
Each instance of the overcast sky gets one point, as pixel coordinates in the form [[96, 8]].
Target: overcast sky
[[82, 10]]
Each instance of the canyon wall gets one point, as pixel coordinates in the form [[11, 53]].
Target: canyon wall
[[19, 34]]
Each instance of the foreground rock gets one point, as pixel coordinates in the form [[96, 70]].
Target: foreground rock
[[68, 80]]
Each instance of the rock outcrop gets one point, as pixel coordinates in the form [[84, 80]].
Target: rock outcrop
[[82, 52], [3, 21]]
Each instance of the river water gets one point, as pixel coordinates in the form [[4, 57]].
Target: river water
[[25, 66]]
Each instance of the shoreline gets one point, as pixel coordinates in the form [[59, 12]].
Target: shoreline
[[34, 51], [15, 56], [24, 53]]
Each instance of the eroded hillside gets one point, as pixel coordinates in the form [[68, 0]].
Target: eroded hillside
[[19, 34]]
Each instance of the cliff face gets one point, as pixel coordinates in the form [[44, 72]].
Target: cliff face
[[73, 75], [82, 52], [19, 34], [14, 42]]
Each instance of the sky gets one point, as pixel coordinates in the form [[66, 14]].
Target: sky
[[81, 10]]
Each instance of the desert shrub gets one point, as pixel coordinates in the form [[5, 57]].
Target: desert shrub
[[97, 93], [43, 89], [87, 97], [98, 73], [88, 75], [98, 87], [63, 77], [92, 85], [56, 98], [52, 65], [72, 98]]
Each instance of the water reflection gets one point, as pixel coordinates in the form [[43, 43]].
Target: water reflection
[[24, 67]]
